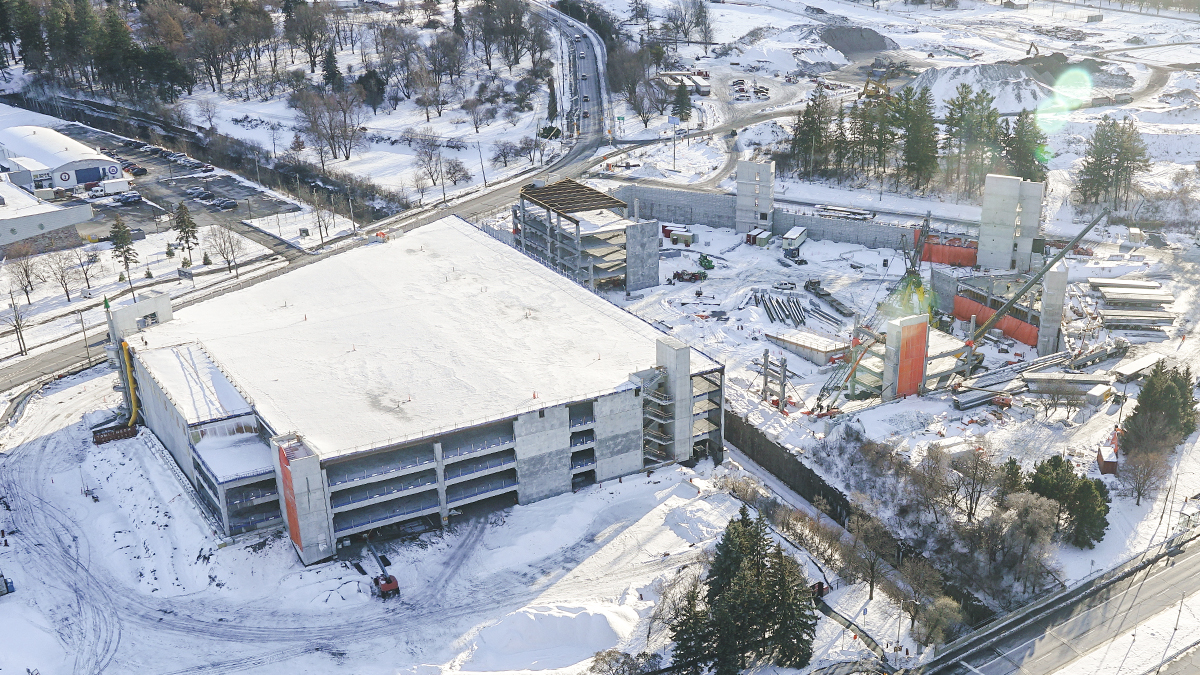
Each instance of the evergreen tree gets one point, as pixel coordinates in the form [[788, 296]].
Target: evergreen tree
[[1054, 478], [373, 88], [730, 552], [1009, 480], [1165, 413], [1115, 154], [793, 620], [690, 632], [809, 149], [330, 73], [1025, 147], [552, 106], [1089, 514], [459, 27], [122, 243], [919, 154], [187, 234], [681, 107], [27, 23]]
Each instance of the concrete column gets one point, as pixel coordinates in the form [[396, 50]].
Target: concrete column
[[1030, 222], [305, 504], [1054, 296], [675, 356], [443, 507], [904, 357], [998, 225]]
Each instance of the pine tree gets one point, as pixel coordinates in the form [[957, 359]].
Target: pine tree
[[681, 107], [1025, 147], [122, 243], [330, 73], [459, 27], [1165, 413], [793, 619], [1054, 478], [919, 153], [373, 88], [27, 25], [690, 632], [187, 234], [809, 148], [729, 554], [1089, 515], [1010, 480], [552, 106]]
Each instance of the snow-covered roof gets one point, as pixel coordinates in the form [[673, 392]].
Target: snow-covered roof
[[237, 456], [45, 145], [600, 220], [440, 328], [200, 390], [18, 203]]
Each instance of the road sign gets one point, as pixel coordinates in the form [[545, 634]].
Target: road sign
[[620, 119], [671, 119], [186, 274]]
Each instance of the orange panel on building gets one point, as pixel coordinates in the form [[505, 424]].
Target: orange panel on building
[[913, 348], [1013, 328], [289, 498], [960, 256]]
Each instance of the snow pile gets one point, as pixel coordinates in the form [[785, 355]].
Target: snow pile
[[1016, 88], [1181, 87], [547, 637]]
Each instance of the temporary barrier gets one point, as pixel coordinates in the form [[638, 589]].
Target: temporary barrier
[[1016, 329], [960, 256]]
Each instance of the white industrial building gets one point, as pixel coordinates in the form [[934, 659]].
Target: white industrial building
[[755, 196], [68, 162], [394, 383], [44, 226]]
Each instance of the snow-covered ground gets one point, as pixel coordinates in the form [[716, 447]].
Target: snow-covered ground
[[147, 586], [288, 226]]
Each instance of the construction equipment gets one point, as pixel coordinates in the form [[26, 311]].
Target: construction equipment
[[385, 585], [1033, 49], [6, 585], [1033, 281], [875, 89], [690, 276], [706, 262]]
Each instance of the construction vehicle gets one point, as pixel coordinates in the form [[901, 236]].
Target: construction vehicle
[[1033, 49], [6, 585], [690, 276], [706, 262], [385, 585], [875, 89]]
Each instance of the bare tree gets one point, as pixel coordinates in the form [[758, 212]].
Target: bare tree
[[864, 559], [21, 266], [1142, 474], [430, 161], [228, 245], [973, 476], [60, 265], [86, 257], [16, 319], [207, 110], [308, 29], [931, 482]]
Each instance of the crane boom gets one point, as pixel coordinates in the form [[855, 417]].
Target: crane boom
[[1006, 307]]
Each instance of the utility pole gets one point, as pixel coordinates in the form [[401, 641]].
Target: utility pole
[[482, 168], [87, 350], [17, 323]]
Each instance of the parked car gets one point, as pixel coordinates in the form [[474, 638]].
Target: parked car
[[128, 163], [207, 168], [226, 203], [194, 190], [138, 171], [130, 143], [204, 195], [127, 198]]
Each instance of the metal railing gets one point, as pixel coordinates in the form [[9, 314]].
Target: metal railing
[[582, 421], [467, 469], [375, 490], [580, 463], [491, 486], [373, 472], [477, 445], [247, 522], [584, 440], [359, 522], [659, 397], [250, 496]]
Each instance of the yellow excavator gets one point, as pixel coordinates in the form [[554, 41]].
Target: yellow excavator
[[875, 89]]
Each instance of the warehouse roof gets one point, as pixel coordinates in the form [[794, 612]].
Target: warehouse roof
[[16, 203], [441, 328], [45, 145]]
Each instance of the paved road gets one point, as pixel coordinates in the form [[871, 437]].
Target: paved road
[[1054, 641]]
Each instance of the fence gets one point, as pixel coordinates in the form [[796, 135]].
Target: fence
[[102, 436]]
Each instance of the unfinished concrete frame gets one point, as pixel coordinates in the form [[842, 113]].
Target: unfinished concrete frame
[[1011, 217], [755, 195]]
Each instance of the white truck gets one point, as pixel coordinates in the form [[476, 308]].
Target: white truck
[[110, 187]]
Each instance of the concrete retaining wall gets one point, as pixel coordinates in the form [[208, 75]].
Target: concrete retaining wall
[[864, 232], [680, 206]]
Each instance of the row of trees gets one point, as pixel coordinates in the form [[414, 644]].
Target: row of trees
[[899, 139], [1165, 414], [1115, 154]]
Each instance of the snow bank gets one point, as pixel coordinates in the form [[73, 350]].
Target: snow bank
[[548, 637]]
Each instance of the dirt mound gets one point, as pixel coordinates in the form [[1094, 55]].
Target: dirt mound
[[855, 39], [1016, 88]]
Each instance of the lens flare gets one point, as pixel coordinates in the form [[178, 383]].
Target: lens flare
[[1072, 90]]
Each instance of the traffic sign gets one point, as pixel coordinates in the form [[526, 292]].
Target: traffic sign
[[620, 119], [671, 119], [186, 274]]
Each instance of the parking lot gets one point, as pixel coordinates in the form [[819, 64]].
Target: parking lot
[[165, 186]]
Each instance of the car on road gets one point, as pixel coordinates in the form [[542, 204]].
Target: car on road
[[583, 76], [582, 55], [586, 114], [138, 171], [586, 98], [578, 38], [126, 198]]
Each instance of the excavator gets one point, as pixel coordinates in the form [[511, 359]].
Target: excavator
[[1033, 49]]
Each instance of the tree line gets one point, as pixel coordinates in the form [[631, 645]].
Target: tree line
[[899, 139]]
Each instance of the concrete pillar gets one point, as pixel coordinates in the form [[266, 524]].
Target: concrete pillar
[[904, 358], [305, 505], [675, 356], [443, 507], [1054, 296], [1030, 223], [998, 224], [755, 195]]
